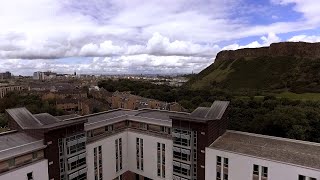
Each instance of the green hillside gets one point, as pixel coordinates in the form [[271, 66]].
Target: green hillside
[[262, 73]]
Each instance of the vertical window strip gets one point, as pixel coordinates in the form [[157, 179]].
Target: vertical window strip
[[138, 152], [117, 155], [141, 151], [100, 163], [120, 153]]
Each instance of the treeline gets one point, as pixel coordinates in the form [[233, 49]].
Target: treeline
[[267, 115], [277, 117], [33, 103], [189, 99]]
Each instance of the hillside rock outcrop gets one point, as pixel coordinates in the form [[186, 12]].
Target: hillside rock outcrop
[[294, 49]]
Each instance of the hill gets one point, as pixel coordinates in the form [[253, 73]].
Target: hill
[[286, 66]]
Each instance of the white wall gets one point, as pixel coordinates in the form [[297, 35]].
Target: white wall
[[108, 156], [39, 170], [241, 167], [150, 155]]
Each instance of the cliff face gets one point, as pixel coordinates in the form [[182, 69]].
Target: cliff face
[[294, 49]]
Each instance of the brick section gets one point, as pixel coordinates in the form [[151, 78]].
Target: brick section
[[52, 150]]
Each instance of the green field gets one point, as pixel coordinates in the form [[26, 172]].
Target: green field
[[303, 96]]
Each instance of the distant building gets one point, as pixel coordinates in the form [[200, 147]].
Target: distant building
[[5, 89], [44, 75], [5, 75], [129, 101]]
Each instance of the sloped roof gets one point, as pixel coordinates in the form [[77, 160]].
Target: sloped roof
[[24, 118], [215, 112], [285, 150]]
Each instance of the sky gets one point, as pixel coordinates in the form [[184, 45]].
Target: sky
[[143, 36]]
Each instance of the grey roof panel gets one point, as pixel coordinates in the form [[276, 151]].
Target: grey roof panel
[[17, 143], [200, 112], [217, 109], [46, 118], [23, 117], [69, 116], [296, 152]]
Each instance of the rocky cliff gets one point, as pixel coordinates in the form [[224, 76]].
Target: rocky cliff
[[292, 66], [294, 49]]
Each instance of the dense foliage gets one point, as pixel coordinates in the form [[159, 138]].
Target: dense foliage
[[189, 99], [32, 102], [264, 115], [277, 117]]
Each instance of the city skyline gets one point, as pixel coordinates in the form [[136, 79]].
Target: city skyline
[[138, 37]]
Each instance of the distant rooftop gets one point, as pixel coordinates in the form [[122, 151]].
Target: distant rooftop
[[290, 151], [16, 143]]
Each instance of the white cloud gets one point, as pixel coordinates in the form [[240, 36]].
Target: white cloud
[[305, 38], [130, 33]]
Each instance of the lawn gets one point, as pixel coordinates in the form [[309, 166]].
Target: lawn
[[303, 96]]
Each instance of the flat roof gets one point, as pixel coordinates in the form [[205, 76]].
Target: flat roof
[[17, 143], [147, 113], [285, 150]]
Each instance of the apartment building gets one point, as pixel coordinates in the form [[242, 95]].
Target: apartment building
[[6, 89], [156, 144]]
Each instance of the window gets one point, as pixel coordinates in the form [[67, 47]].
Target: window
[[118, 147], [97, 152], [34, 155], [255, 170], [11, 162], [302, 177], [161, 160], [226, 162], [139, 152], [225, 176], [218, 176], [218, 161], [30, 176], [264, 172]]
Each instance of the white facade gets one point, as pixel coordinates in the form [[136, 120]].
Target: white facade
[[108, 156], [150, 155], [39, 172], [240, 167], [129, 161]]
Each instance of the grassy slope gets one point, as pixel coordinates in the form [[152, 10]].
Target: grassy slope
[[262, 73]]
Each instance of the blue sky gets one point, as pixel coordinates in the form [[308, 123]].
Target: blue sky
[[139, 36]]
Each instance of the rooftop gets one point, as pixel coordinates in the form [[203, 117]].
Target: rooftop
[[17, 143], [290, 151], [203, 114], [26, 120]]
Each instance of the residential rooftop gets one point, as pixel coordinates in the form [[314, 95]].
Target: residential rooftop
[[16, 143], [284, 150]]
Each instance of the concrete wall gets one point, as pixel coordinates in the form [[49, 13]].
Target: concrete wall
[[150, 155], [129, 155], [39, 170], [108, 156], [241, 167]]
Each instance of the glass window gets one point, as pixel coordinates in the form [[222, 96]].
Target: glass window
[[30, 176], [218, 161], [218, 176], [225, 176], [302, 177], [256, 169], [264, 171], [226, 162]]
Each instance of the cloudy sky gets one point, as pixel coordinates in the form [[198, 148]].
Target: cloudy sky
[[143, 36]]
